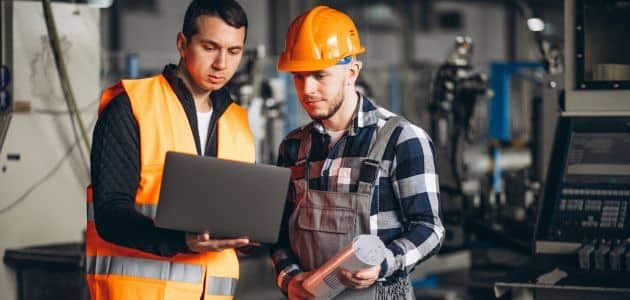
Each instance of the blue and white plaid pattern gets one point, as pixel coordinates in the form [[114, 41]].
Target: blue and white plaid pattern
[[411, 176]]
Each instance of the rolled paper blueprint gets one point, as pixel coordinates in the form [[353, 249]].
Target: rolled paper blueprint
[[364, 251]]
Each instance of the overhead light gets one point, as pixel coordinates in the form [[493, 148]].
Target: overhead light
[[100, 3], [535, 24]]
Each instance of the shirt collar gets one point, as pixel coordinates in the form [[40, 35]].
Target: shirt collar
[[221, 98], [365, 117]]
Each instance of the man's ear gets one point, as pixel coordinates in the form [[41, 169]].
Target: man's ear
[[353, 71], [181, 43]]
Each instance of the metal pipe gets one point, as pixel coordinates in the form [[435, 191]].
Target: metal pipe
[[479, 163]]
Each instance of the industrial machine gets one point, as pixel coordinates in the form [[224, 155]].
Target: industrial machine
[[582, 235], [484, 182], [457, 90], [588, 186]]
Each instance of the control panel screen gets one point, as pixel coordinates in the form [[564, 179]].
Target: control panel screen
[[595, 188], [599, 154]]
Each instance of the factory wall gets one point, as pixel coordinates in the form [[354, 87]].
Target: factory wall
[[43, 192], [152, 34]]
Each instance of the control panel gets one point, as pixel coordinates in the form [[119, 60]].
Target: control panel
[[594, 191], [586, 205]]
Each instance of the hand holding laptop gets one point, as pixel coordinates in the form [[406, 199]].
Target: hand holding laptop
[[202, 243]]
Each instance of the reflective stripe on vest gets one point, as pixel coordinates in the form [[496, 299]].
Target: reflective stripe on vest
[[148, 210], [161, 270], [144, 267], [221, 286]]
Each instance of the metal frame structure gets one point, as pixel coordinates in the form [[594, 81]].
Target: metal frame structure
[[586, 102], [581, 44], [6, 63]]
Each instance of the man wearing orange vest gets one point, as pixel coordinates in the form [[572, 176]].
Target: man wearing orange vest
[[356, 169], [186, 109]]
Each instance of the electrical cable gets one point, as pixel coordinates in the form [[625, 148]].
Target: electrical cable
[[47, 111], [52, 112], [45, 178], [65, 82]]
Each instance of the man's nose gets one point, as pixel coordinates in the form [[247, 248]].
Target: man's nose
[[220, 61], [310, 85]]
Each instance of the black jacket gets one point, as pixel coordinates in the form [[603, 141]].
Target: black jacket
[[115, 171]]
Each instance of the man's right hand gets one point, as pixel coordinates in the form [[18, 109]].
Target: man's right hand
[[202, 243], [296, 290]]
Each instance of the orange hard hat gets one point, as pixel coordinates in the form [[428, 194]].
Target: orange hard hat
[[318, 39]]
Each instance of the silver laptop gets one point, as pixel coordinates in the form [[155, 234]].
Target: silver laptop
[[226, 198]]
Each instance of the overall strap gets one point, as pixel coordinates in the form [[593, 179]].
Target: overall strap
[[302, 159], [372, 164]]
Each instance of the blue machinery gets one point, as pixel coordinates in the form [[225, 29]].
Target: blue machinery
[[499, 128], [500, 82]]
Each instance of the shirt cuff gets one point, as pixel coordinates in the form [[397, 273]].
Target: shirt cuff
[[285, 276], [183, 246], [388, 266]]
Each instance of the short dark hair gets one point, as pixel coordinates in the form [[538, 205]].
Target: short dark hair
[[229, 11]]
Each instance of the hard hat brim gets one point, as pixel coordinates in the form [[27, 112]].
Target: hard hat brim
[[287, 65]]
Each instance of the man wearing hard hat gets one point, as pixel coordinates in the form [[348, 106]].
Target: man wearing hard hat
[[356, 169]]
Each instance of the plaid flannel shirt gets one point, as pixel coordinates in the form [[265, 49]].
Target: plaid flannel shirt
[[411, 180]]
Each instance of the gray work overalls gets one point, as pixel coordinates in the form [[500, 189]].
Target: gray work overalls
[[324, 222]]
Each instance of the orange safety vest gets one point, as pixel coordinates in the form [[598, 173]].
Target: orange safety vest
[[115, 272]]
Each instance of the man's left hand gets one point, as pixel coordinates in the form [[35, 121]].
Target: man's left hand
[[360, 279]]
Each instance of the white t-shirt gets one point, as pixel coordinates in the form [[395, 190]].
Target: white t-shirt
[[335, 136], [203, 122]]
